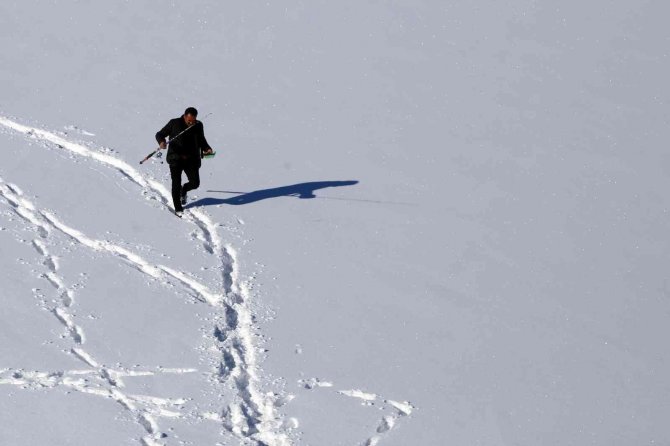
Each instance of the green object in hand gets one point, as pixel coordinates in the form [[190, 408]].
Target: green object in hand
[[209, 155]]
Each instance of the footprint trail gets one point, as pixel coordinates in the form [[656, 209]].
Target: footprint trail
[[252, 416]]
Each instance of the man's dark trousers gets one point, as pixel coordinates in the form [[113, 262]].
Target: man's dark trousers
[[193, 175]]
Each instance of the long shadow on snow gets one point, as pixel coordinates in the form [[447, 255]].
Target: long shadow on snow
[[302, 190]]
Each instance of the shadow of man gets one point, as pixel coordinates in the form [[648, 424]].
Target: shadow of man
[[301, 190]]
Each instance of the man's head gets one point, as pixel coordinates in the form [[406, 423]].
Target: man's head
[[189, 115]]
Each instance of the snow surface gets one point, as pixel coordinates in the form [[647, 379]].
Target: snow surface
[[428, 222]]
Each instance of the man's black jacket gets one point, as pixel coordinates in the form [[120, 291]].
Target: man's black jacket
[[186, 149]]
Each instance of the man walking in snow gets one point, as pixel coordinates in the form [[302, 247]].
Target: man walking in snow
[[186, 147]]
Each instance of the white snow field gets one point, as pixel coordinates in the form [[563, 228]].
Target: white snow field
[[432, 222]]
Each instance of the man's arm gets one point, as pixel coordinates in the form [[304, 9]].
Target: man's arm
[[162, 135]]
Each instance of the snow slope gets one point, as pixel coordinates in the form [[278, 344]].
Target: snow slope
[[435, 222]]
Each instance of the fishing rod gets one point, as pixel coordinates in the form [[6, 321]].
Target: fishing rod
[[172, 139]]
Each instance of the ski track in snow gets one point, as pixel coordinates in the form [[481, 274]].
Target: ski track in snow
[[253, 416]]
